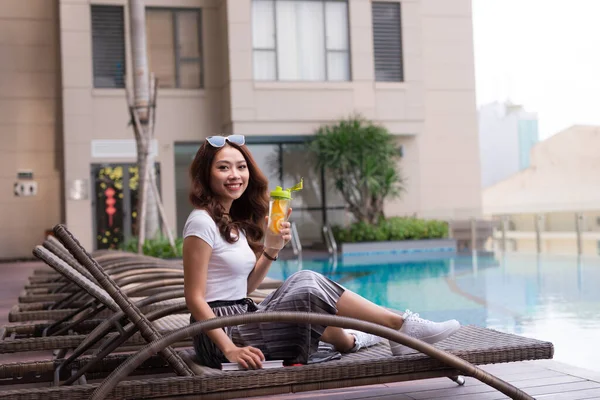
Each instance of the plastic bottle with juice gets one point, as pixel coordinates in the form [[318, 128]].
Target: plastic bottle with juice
[[279, 205]]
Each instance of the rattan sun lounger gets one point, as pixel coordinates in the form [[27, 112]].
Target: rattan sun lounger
[[112, 265], [103, 257], [370, 366], [101, 301], [116, 265], [164, 309], [69, 302], [43, 311], [52, 336], [40, 329], [53, 306], [57, 306], [478, 345]]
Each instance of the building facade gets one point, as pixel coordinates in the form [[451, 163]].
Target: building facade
[[507, 133], [272, 70]]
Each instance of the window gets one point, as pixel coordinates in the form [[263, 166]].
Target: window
[[387, 42], [301, 40], [174, 47], [108, 46]]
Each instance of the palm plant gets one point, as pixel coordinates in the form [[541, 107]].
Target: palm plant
[[362, 159]]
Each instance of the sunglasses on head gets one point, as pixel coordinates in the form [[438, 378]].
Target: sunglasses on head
[[219, 141]]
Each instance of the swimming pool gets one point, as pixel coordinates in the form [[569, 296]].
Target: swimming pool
[[548, 297]]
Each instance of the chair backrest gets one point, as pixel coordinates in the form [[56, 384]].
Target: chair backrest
[[52, 244], [147, 330], [74, 276]]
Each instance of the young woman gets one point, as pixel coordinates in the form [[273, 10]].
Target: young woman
[[224, 261]]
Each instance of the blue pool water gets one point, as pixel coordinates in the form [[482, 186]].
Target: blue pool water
[[549, 297]]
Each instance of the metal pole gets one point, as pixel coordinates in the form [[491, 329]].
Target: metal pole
[[503, 223], [578, 226], [538, 239], [579, 275], [473, 235]]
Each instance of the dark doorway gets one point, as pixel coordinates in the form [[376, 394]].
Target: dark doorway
[[114, 203]]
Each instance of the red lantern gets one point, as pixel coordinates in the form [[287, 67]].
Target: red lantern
[[110, 202]]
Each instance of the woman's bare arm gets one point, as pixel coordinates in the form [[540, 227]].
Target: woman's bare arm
[[260, 270], [196, 254]]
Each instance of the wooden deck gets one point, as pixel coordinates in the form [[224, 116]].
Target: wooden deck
[[544, 379]]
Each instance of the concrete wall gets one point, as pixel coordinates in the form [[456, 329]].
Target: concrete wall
[[29, 122], [449, 184]]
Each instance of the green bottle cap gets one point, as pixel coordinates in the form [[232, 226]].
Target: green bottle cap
[[280, 193]]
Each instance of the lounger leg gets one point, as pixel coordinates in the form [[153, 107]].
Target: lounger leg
[[459, 379]]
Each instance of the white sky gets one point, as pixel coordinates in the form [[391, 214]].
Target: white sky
[[543, 54]]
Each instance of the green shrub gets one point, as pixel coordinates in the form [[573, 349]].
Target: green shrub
[[159, 247], [395, 228]]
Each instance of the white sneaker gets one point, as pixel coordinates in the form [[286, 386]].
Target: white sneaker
[[362, 340], [422, 329]]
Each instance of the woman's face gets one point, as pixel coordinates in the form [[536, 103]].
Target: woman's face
[[229, 175]]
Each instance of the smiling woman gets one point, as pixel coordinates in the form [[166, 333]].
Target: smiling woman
[[224, 260], [224, 173]]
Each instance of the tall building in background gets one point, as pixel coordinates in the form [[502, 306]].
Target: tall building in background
[[506, 135]]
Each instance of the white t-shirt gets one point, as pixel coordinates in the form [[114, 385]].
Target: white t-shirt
[[229, 264]]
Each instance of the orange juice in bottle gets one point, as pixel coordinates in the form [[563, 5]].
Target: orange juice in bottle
[[279, 205]]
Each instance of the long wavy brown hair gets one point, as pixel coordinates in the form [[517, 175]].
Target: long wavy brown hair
[[247, 213]]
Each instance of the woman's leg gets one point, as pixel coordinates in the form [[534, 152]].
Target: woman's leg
[[309, 291], [352, 305], [341, 340], [303, 291]]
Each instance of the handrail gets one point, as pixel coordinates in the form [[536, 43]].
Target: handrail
[[542, 226], [332, 239], [296, 245], [328, 240]]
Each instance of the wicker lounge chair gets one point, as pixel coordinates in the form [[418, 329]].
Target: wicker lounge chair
[[370, 366], [55, 336], [113, 265], [55, 283], [85, 319], [161, 306], [106, 258], [143, 282], [374, 365], [67, 298]]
